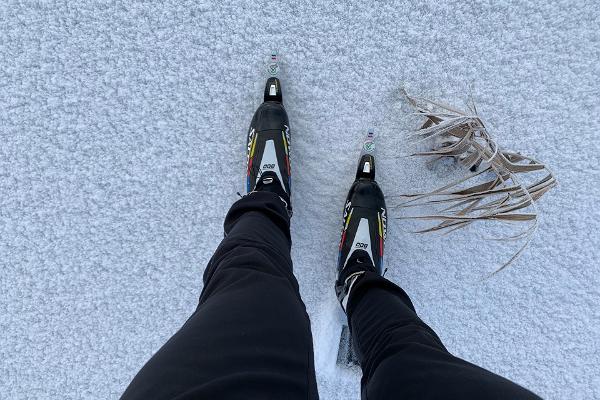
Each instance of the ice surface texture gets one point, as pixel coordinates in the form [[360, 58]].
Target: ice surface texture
[[122, 140]]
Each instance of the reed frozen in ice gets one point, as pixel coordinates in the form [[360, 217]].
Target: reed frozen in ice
[[492, 191]]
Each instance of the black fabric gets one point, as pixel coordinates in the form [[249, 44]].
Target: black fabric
[[403, 357], [250, 336]]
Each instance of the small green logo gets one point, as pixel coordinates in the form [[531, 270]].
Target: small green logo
[[273, 69], [369, 147]]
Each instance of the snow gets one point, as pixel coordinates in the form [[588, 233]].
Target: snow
[[122, 130]]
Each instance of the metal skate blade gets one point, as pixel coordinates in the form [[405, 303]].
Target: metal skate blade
[[346, 354]]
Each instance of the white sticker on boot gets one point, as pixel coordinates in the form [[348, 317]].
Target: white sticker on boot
[[269, 161], [362, 240]]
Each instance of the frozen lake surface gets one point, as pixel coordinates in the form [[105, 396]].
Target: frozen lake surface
[[122, 145]]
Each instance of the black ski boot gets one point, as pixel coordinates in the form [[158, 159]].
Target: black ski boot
[[364, 226], [268, 146]]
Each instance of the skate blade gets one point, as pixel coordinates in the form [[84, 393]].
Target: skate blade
[[346, 354]]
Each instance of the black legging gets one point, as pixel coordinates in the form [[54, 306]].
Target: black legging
[[250, 336]]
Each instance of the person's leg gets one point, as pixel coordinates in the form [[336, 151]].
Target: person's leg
[[250, 336], [403, 358]]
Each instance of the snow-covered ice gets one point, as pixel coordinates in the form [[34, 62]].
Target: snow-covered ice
[[122, 129]]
